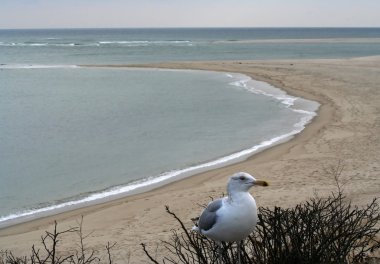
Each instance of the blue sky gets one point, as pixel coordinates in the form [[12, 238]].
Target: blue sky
[[190, 13]]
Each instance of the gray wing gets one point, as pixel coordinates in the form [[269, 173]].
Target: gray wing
[[208, 216]]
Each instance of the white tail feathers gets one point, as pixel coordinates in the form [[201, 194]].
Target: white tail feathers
[[196, 229]]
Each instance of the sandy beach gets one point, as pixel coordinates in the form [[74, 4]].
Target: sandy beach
[[346, 131]]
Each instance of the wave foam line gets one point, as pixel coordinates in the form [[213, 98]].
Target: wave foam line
[[99, 43], [43, 44], [166, 176], [283, 97], [35, 66], [162, 177]]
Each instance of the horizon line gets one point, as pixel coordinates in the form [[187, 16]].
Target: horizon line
[[216, 27]]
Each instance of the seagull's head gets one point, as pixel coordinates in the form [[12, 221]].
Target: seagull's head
[[242, 181]]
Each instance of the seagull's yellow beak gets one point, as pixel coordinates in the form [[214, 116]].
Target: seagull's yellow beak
[[262, 183]]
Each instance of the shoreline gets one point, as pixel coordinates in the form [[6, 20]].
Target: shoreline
[[346, 128], [308, 108]]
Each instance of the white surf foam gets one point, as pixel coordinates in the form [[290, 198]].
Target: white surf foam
[[23, 44], [145, 42], [34, 66], [265, 89], [115, 192], [125, 43]]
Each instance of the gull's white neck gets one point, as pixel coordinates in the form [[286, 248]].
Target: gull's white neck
[[239, 196]]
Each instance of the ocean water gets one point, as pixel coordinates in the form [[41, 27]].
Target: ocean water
[[72, 135], [116, 46]]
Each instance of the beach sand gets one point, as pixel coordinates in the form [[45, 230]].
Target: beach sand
[[346, 131]]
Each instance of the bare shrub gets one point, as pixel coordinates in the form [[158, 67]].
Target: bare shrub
[[321, 230], [50, 253]]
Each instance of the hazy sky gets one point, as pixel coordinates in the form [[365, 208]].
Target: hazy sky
[[190, 13]]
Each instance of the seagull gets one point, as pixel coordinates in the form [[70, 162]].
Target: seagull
[[234, 217]]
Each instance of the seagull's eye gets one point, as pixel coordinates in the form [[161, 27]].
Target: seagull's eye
[[242, 178]]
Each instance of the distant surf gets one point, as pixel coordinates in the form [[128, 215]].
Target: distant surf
[[122, 43], [35, 66]]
